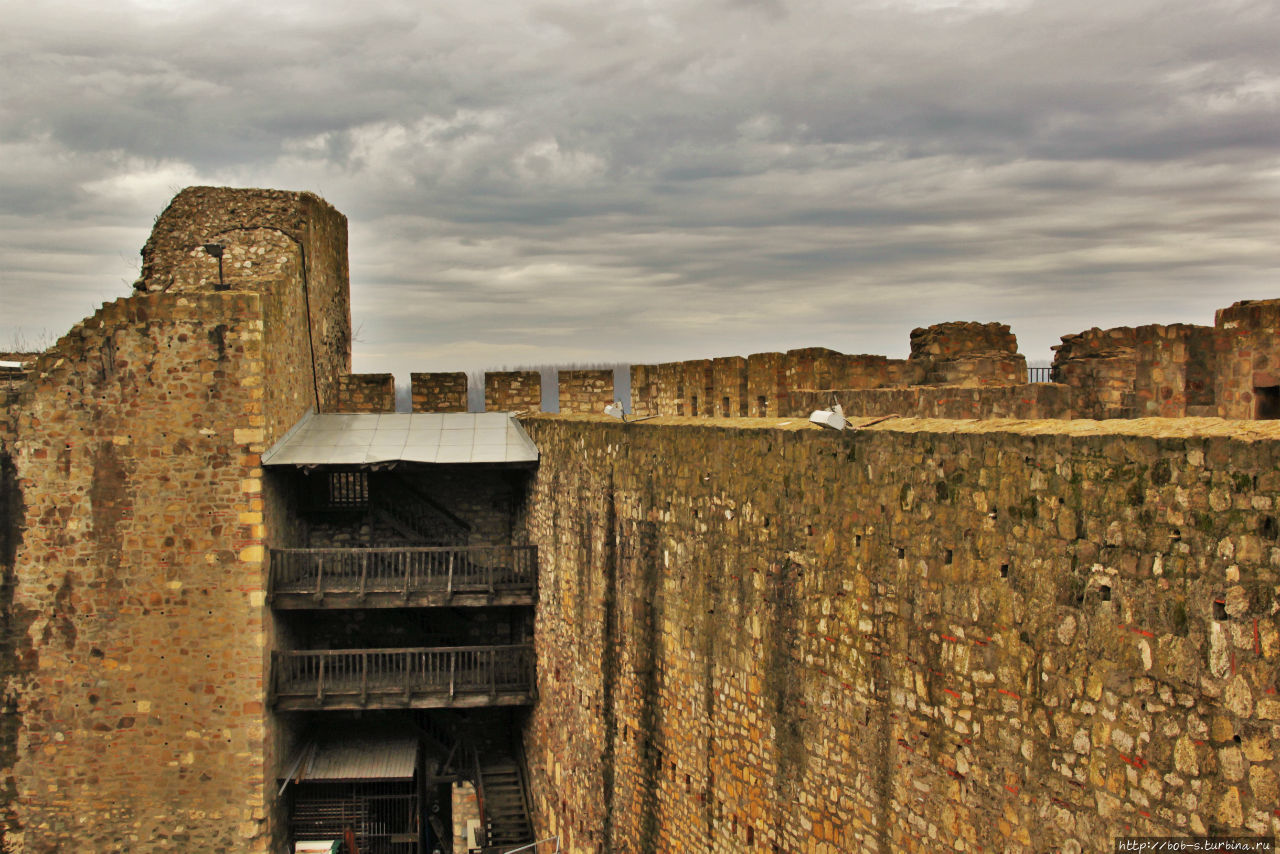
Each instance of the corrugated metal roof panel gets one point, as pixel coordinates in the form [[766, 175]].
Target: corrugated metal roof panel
[[336, 438], [362, 758]]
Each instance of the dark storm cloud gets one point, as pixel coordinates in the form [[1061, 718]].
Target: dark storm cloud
[[543, 180]]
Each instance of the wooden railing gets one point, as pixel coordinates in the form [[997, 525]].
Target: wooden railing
[[403, 572], [414, 678]]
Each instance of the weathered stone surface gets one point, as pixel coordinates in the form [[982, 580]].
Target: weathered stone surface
[[769, 384], [585, 390], [973, 370], [439, 392], [966, 354], [135, 525], [759, 635], [369, 393], [513, 391]]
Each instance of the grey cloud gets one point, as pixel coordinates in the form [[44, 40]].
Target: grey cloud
[[672, 179]]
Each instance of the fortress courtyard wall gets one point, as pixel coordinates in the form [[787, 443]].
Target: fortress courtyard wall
[[922, 635], [136, 522], [135, 635]]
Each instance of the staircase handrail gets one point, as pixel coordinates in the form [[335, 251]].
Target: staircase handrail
[[431, 502]]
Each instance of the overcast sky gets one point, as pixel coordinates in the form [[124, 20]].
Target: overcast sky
[[644, 181]]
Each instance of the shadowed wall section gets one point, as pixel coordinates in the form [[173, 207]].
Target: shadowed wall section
[[1026, 636]]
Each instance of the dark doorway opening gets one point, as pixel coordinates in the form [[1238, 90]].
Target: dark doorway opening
[[1267, 407]]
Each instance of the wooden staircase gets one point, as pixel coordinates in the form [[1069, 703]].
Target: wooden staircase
[[505, 807], [416, 515]]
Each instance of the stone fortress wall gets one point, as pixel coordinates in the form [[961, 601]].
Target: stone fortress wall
[[439, 392], [135, 636], [955, 370], [926, 635], [973, 370], [369, 393], [753, 634]]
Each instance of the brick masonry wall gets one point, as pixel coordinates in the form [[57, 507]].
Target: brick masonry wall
[[270, 238], [1134, 372], [729, 381], [812, 367], [866, 371], [926, 635], [1149, 371], [466, 810], [368, 393], [698, 384], [1249, 355], [944, 341], [10, 398], [512, 391], [136, 632], [766, 384], [644, 390], [670, 383], [979, 370], [585, 391], [142, 524], [966, 354], [1029, 400], [439, 392]]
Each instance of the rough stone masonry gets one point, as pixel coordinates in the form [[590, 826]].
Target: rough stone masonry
[[135, 635], [918, 636]]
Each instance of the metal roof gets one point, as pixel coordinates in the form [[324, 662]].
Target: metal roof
[[333, 438], [359, 758]]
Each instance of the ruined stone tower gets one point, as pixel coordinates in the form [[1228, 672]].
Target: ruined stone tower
[[137, 529]]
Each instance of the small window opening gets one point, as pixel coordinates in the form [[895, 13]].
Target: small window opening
[[857, 540], [727, 411], [1268, 402], [1219, 609], [762, 404], [902, 553], [1104, 592], [693, 406], [947, 557], [1004, 570]]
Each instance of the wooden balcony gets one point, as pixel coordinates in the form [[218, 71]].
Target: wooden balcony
[[426, 678], [425, 577]]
